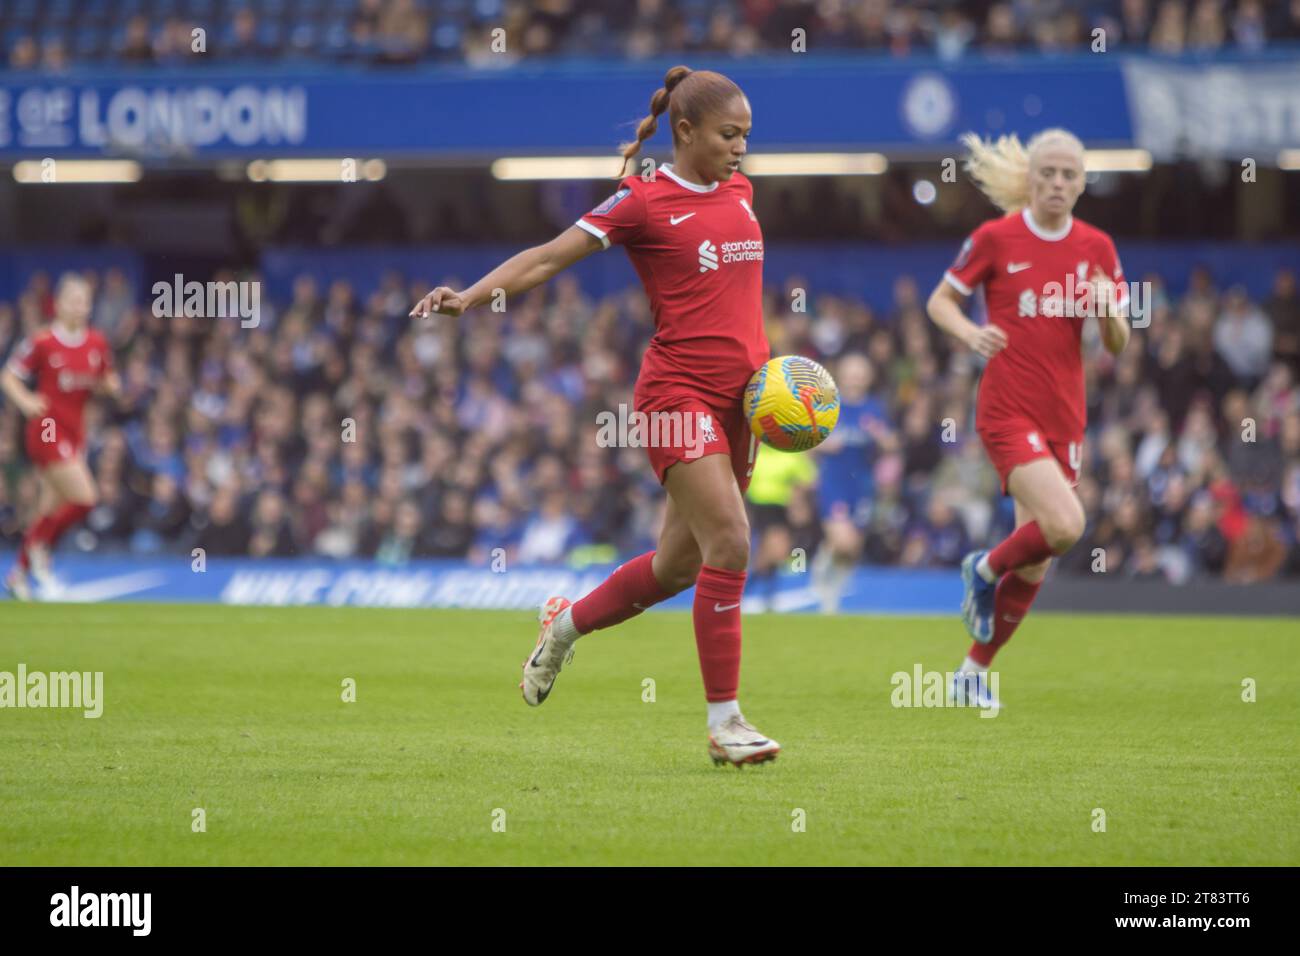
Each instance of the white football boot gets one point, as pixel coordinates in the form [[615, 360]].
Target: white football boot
[[977, 599], [735, 741], [17, 585], [38, 559], [548, 656], [971, 689]]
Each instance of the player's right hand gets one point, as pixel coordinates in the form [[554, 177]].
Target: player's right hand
[[34, 406], [443, 301], [988, 340]]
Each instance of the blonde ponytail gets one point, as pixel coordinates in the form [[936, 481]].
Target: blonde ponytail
[[1000, 168]]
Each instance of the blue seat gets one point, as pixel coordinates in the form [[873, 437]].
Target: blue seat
[[270, 36], [58, 12], [446, 37], [89, 42], [200, 9], [304, 39], [94, 11], [703, 8], [23, 11], [485, 10], [336, 40]]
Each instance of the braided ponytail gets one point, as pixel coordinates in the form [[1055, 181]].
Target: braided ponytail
[[658, 104]]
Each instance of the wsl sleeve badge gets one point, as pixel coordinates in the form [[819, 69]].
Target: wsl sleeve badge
[[792, 403], [611, 202], [963, 254]]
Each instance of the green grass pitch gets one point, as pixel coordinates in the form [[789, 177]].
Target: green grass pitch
[[239, 711]]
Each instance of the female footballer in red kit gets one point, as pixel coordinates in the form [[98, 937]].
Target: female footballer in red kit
[[690, 231], [65, 364], [1043, 272]]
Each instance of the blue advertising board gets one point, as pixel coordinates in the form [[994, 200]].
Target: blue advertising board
[[287, 582], [1197, 104], [832, 101]]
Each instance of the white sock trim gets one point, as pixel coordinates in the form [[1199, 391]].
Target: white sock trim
[[969, 666], [721, 710], [562, 628], [985, 570]]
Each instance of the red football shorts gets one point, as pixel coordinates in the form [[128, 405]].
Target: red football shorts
[[686, 428], [1017, 441], [50, 442]]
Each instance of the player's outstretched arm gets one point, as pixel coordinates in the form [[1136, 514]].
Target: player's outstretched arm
[[945, 310], [24, 399], [517, 274]]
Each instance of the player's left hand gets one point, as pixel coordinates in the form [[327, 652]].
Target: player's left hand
[[443, 301], [111, 386], [1103, 293]]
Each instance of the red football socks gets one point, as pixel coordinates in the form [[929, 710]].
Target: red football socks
[[717, 630], [1025, 545], [633, 587], [1011, 603], [624, 594], [63, 519], [38, 533], [49, 528]]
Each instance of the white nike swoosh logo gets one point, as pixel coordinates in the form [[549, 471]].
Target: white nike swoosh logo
[[639, 607], [106, 589], [725, 607], [1011, 620], [1014, 267], [674, 220]]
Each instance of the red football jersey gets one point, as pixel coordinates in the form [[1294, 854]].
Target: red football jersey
[[699, 253], [1034, 290], [65, 370]]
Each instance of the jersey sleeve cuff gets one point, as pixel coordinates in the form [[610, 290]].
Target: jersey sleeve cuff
[[957, 284], [598, 233]]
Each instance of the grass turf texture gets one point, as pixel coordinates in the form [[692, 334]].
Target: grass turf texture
[[239, 711]]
